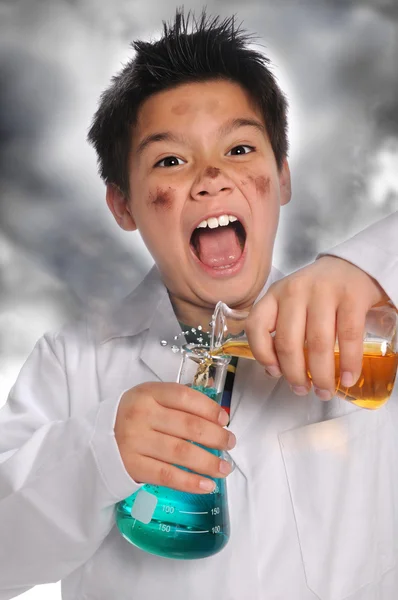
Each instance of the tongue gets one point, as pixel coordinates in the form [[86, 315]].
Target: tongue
[[219, 247]]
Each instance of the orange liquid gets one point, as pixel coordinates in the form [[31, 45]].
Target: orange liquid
[[374, 385]]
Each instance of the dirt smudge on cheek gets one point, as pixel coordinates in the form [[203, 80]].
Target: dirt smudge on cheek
[[161, 199], [212, 172], [262, 184]]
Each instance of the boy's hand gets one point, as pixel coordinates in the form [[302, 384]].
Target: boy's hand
[[331, 295], [154, 422]]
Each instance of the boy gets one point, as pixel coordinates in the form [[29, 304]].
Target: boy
[[191, 140]]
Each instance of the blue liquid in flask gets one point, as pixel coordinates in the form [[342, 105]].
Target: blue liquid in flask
[[176, 524]]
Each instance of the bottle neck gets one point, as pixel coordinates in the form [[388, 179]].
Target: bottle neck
[[219, 324]]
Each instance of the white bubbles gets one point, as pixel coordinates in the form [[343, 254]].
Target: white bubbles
[[192, 332]]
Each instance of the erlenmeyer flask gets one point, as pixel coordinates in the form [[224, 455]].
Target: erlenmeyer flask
[[175, 524], [380, 352]]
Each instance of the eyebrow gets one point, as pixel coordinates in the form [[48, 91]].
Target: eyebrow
[[164, 136], [225, 129], [234, 124]]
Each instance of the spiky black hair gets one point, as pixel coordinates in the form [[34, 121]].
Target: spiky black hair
[[189, 50]]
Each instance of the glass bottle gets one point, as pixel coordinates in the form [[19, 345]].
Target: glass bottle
[[380, 352], [176, 524]]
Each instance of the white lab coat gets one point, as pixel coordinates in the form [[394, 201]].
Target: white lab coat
[[313, 501]]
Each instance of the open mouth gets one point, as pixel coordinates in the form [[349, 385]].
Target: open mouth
[[219, 242]]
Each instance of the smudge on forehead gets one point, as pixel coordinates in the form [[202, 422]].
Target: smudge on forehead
[[191, 105], [181, 108], [161, 199]]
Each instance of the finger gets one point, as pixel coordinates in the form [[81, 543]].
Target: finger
[[289, 343], [320, 337], [157, 472], [258, 326], [176, 451], [183, 398], [190, 427], [351, 317]]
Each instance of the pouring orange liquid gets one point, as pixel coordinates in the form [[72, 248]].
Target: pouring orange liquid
[[374, 385]]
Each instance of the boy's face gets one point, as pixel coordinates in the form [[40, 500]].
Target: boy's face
[[200, 151]]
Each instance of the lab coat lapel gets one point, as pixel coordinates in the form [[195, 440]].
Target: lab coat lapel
[[147, 311], [160, 359]]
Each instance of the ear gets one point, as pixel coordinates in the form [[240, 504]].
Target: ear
[[285, 183], [119, 207]]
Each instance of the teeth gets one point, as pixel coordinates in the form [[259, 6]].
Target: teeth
[[223, 220], [214, 222]]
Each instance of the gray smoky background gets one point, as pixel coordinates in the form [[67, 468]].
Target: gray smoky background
[[61, 253]]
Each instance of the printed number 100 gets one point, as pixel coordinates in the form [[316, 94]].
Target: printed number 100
[[216, 529]]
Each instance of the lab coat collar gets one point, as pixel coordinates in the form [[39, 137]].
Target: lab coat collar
[[147, 303], [134, 313]]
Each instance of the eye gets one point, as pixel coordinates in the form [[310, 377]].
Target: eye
[[169, 161], [239, 150]]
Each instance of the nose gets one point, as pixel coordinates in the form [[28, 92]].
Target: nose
[[211, 182]]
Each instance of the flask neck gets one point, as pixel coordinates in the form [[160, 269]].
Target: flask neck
[[219, 324]]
